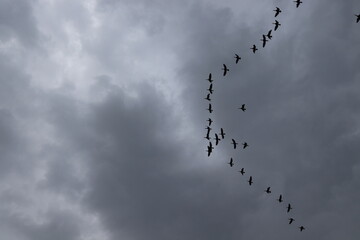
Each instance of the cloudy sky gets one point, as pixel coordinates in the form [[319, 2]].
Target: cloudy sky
[[102, 120]]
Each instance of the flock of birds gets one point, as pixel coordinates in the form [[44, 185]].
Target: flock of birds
[[221, 135]]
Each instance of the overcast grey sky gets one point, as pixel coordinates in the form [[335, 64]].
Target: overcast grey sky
[[102, 120]]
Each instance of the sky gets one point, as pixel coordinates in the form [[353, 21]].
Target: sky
[[103, 117]]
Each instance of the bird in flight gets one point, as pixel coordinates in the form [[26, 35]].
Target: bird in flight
[[277, 24], [237, 58], [291, 220], [357, 18], [231, 163], [210, 109], [208, 133], [298, 2], [208, 128], [245, 145], [301, 228], [217, 139], [268, 190], [210, 121], [209, 149], [264, 40], [210, 78], [210, 89], [242, 107], [242, 171], [280, 198], [277, 11], [269, 34], [289, 207], [225, 69], [222, 133], [208, 97], [254, 49], [234, 143], [250, 180]]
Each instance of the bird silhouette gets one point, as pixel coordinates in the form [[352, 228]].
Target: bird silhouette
[[209, 149], [277, 11], [242, 107], [242, 171], [210, 89], [225, 69], [210, 121], [234, 143], [291, 220], [210, 78], [269, 34], [222, 133], [302, 228], [277, 24], [357, 18], [280, 198], [289, 207], [231, 163], [237, 58], [254, 49], [217, 139], [264, 40], [210, 109], [208, 128], [208, 97], [250, 181], [268, 190], [298, 2], [245, 145]]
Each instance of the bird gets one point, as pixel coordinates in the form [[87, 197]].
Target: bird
[[254, 49], [357, 18], [277, 11], [210, 109], [208, 128], [291, 220], [268, 190], [269, 34], [237, 58], [209, 149], [210, 146], [222, 133], [242, 171], [210, 121], [225, 69], [280, 198], [234, 143], [208, 97], [289, 207], [297, 3], [210, 78], [245, 144], [242, 107], [217, 139], [210, 89], [264, 40], [250, 180], [277, 24], [231, 163], [301, 228]]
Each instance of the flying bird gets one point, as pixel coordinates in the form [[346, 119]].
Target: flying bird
[[231, 163], [210, 121], [268, 190], [208, 97], [357, 18], [217, 139], [245, 145], [242, 171], [264, 40], [222, 133], [291, 220], [225, 69], [210, 109], [289, 207], [210, 78], [254, 49], [210, 89], [277, 11], [234, 143], [209, 149], [242, 107], [250, 180], [280, 198], [301, 228], [237, 58], [269, 34], [277, 24], [208, 128], [297, 3]]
